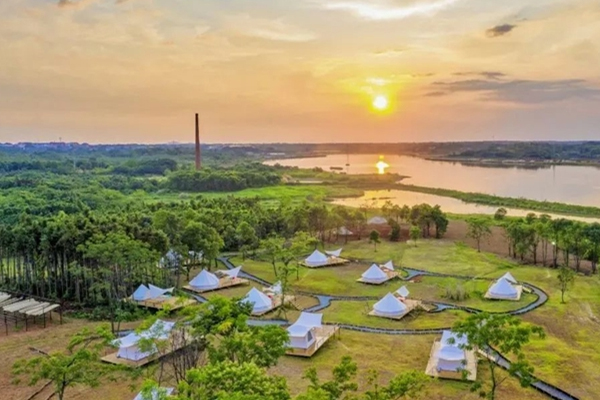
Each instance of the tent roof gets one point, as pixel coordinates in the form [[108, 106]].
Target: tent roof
[[502, 287], [159, 330], [305, 323], [233, 273], [508, 276], [389, 265], [316, 258], [403, 291], [377, 221], [276, 288], [390, 305], [334, 253], [205, 279], [374, 273], [344, 231], [154, 394], [141, 293], [155, 291], [452, 351], [258, 299]]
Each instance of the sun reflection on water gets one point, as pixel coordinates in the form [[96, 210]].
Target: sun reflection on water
[[381, 166]]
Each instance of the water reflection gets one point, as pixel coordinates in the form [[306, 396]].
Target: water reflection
[[565, 184], [376, 199], [381, 166]]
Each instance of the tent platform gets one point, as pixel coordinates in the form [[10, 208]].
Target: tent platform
[[410, 306], [277, 302], [332, 262], [390, 275], [113, 359], [169, 303], [470, 367], [519, 288], [224, 283], [323, 334]]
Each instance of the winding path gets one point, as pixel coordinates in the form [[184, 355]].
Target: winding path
[[325, 301]]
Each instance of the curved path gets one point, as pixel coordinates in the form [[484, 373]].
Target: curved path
[[325, 301]]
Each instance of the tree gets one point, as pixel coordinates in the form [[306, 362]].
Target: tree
[[374, 238], [395, 234], [500, 214], [407, 385], [440, 221], [246, 237], [273, 247], [478, 229], [227, 381], [498, 332], [566, 278], [343, 381], [415, 234], [79, 365], [592, 234]]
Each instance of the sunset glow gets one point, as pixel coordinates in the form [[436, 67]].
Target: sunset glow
[[381, 166], [380, 103]]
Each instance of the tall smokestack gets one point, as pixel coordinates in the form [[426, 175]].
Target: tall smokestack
[[198, 163]]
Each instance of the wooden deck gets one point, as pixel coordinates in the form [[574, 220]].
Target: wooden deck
[[390, 275], [277, 302], [470, 366], [410, 306], [519, 293], [224, 283], [174, 346], [332, 262], [322, 336], [164, 303]]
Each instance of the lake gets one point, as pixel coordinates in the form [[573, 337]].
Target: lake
[[564, 184]]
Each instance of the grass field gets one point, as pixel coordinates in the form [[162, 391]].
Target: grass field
[[567, 358]]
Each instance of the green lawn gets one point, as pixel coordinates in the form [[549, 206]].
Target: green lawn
[[567, 358]]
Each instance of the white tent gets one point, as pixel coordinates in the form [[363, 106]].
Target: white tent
[[451, 356], [141, 293], [389, 306], [374, 274], [149, 292], [233, 273], [508, 276], [334, 253], [316, 259], [389, 265], [503, 289], [403, 291], [129, 345], [377, 221], [343, 231], [154, 395], [276, 289], [260, 301], [301, 332], [205, 281]]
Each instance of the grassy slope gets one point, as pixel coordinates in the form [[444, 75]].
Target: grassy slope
[[567, 357]]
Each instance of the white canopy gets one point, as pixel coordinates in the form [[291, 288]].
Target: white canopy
[[389, 265], [508, 276], [128, 345], [154, 395], [205, 281], [276, 288], [305, 323], [260, 301], [390, 306], [316, 258], [141, 293], [334, 253], [503, 289], [374, 274], [233, 273], [149, 292], [377, 221], [403, 291], [451, 356], [345, 231]]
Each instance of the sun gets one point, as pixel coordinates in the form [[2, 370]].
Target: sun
[[380, 103]]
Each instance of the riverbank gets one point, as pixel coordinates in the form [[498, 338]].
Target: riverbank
[[513, 163]]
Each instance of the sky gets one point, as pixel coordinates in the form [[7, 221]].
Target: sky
[[136, 71]]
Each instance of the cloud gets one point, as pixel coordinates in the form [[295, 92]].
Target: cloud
[[522, 91], [485, 74], [74, 4], [500, 30], [436, 94], [386, 10], [276, 30]]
